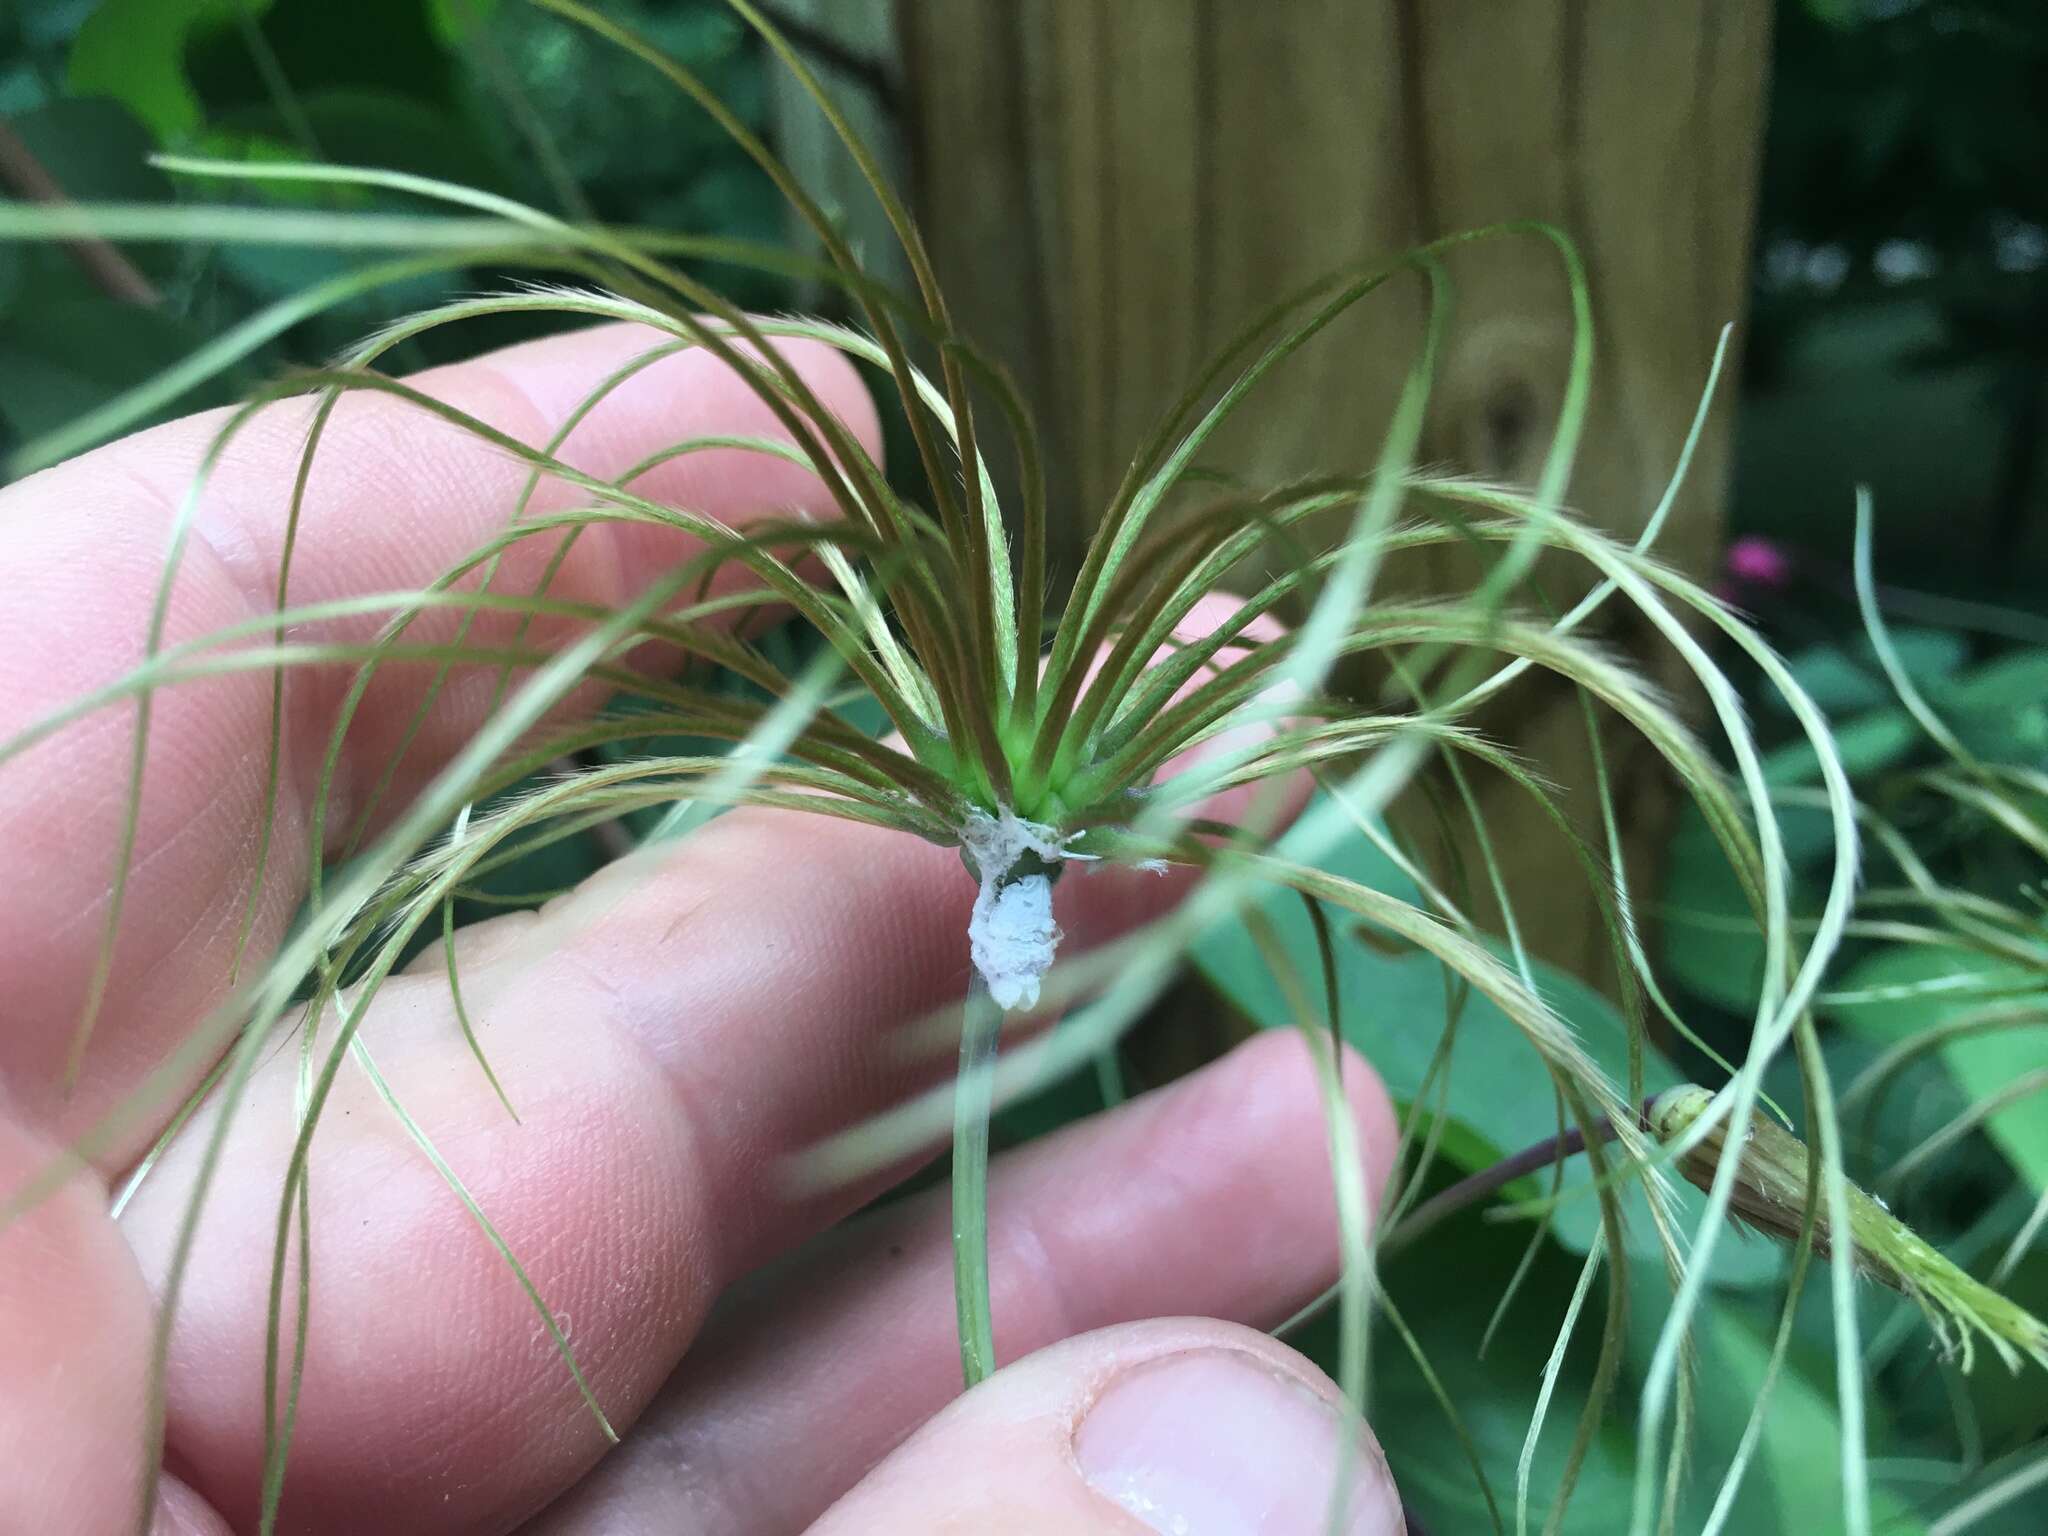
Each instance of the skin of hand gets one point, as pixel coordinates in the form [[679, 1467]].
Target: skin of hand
[[670, 1033]]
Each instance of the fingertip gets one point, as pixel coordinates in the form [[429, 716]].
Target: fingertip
[[1184, 1425], [1237, 1435]]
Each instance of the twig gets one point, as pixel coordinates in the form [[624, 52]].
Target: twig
[[1468, 1191], [28, 178], [1476, 1187]]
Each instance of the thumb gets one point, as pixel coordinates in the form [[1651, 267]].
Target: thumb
[[1183, 1425]]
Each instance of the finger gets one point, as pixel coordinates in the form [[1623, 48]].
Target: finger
[[1188, 1426], [181, 1512], [665, 1064], [669, 1039], [1209, 1197], [74, 1365], [395, 497], [73, 1355]]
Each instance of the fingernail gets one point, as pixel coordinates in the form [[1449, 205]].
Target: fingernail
[[1215, 1442]]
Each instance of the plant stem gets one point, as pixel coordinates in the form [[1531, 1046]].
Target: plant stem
[[26, 176], [981, 1025], [1467, 1191], [1473, 1188], [871, 73], [1476, 1187]]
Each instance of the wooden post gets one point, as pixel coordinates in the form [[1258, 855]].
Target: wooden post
[[1111, 186]]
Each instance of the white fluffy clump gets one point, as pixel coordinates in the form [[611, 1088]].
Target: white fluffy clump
[[1011, 936]]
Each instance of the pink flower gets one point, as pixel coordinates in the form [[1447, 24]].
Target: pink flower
[[1752, 561]]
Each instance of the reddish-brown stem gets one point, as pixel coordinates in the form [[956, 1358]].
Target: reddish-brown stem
[[27, 177], [1476, 1187]]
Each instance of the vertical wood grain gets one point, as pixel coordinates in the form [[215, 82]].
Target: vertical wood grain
[[1111, 186]]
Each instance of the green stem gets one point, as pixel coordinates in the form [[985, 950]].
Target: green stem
[[1109, 1078], [980, 1027]]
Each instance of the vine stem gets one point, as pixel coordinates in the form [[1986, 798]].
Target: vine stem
[[1476, 1187], [981, 1026], [1466, 1192], [27, 177]]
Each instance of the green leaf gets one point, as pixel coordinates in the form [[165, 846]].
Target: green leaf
[[1712, 944], [1841, 14], [134, 51], [386, 129], [21, 88], [1868, 745], [2000, 710], [95, 150], [1981, 1063], [65, 350], [1500, 1097], [36, 26], [1711, 941], [2008, 1405], [13, 264], [1845, 678], [1796, 1464], [452, 19], [66, 347], [1447, 1291]]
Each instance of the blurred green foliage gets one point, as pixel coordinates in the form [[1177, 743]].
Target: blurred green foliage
[[496, 96], [1898, 331]]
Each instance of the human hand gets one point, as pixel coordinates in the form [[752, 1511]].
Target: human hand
[[670, 1034]]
